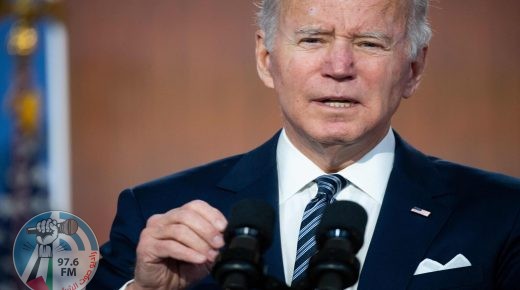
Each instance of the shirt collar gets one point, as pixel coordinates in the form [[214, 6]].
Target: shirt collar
[[370, 174]]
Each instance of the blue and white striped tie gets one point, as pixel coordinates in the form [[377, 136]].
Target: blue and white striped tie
[[328, 186]]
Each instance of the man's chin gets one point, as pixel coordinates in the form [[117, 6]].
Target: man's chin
[[325, 135], [334, 139], [335, 135]]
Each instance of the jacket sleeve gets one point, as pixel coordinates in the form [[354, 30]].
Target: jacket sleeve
[[117, 263], [508, 274]]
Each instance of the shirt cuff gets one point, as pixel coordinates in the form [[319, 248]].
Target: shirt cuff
[[126, 284]]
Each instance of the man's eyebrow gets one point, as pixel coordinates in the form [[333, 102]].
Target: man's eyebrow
[[321, 31], [375, 34], [312, 31]]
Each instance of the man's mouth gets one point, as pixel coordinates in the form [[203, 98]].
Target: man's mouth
[[338, 102]]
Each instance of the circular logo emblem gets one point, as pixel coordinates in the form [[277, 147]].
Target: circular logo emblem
[[56, 250]]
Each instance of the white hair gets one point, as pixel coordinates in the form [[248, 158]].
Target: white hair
[[418, 28]]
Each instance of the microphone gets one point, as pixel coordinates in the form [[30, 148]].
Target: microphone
[[68, 227], [339, 237], [249, 232]]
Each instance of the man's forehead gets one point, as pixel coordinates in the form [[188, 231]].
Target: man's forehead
[[328, 14], [313, 7]]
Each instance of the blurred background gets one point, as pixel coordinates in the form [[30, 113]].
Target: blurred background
[[153, 87]]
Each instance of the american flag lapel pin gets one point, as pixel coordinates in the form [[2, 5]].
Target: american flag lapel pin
[[420, 211]]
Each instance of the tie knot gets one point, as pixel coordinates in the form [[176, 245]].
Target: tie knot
[[330, 184]]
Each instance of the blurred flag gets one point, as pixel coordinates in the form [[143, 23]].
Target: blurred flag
[[34, 129]]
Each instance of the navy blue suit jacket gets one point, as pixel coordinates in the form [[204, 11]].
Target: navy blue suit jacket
[[473, 212]]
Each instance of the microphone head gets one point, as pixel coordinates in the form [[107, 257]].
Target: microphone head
[[68, 227], [255, 214], [347, 216]]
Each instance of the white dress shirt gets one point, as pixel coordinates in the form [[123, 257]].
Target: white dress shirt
[[367, 178]]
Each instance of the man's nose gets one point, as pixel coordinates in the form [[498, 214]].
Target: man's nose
[[339, 62]]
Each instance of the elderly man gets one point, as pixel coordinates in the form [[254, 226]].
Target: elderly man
[[340, 69]]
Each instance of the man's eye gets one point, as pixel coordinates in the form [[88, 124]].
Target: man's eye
[[311, 40], [369, 44]]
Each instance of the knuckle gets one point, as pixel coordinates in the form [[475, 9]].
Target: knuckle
[[145, 233], [182, 232], [145, 243], [179, 230], [196, 204], [184, 214], [153, 220]]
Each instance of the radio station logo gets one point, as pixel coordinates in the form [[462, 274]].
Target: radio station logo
[[56, 250]]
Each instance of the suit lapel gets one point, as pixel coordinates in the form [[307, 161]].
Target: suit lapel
[[401, 237], [255, 176]]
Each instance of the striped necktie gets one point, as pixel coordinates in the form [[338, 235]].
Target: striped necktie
[[328, 186]]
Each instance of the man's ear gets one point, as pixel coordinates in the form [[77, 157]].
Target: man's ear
[[416, 71], [263, 60]]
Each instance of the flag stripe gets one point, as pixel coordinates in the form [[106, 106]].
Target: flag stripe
[[57, 97]]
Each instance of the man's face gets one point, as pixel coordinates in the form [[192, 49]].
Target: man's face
[[340, 69]]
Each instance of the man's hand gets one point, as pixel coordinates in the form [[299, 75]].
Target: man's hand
[[179, 247], [47, 231]]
